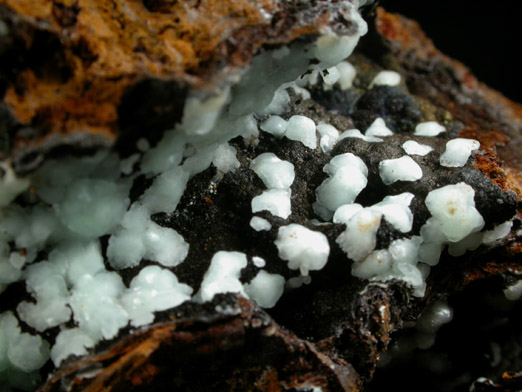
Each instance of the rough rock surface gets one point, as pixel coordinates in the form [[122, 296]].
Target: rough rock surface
[[199, 338], [447, 84], [77, 72], [329, 334]]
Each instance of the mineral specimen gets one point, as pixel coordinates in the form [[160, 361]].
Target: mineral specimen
[[225, 186]]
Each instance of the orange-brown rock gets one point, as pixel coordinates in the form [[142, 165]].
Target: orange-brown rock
[[66, 64]]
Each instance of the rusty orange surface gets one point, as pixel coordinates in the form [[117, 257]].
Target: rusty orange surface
[[97, 49]]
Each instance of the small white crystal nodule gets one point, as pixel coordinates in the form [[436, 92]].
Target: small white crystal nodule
[[454, 207], [303, 248], [400, 169], [413, 148], [302, 129], [458, 151], [274, 172], [386, 78], [429, 128]]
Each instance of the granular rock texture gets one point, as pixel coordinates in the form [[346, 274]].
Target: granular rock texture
[[330, 333]]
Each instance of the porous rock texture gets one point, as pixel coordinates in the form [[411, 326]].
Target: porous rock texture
[[113, 57]]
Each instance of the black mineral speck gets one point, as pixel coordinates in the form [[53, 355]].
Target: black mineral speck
[[386, 234], [336, 100], [394, 105]]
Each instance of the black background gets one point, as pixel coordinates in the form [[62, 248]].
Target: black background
[[485, 36]]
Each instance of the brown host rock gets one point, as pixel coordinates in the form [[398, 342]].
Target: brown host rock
[[81, 73], [66, 65]]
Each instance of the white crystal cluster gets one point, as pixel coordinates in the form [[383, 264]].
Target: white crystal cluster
[[274, 172], [328, 136], [359, 239], [53, 244], [223, 275], [304, 249], [278, 176], [347, 178], [21, 354], [298, 128], [455, 222], [79, 200]]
